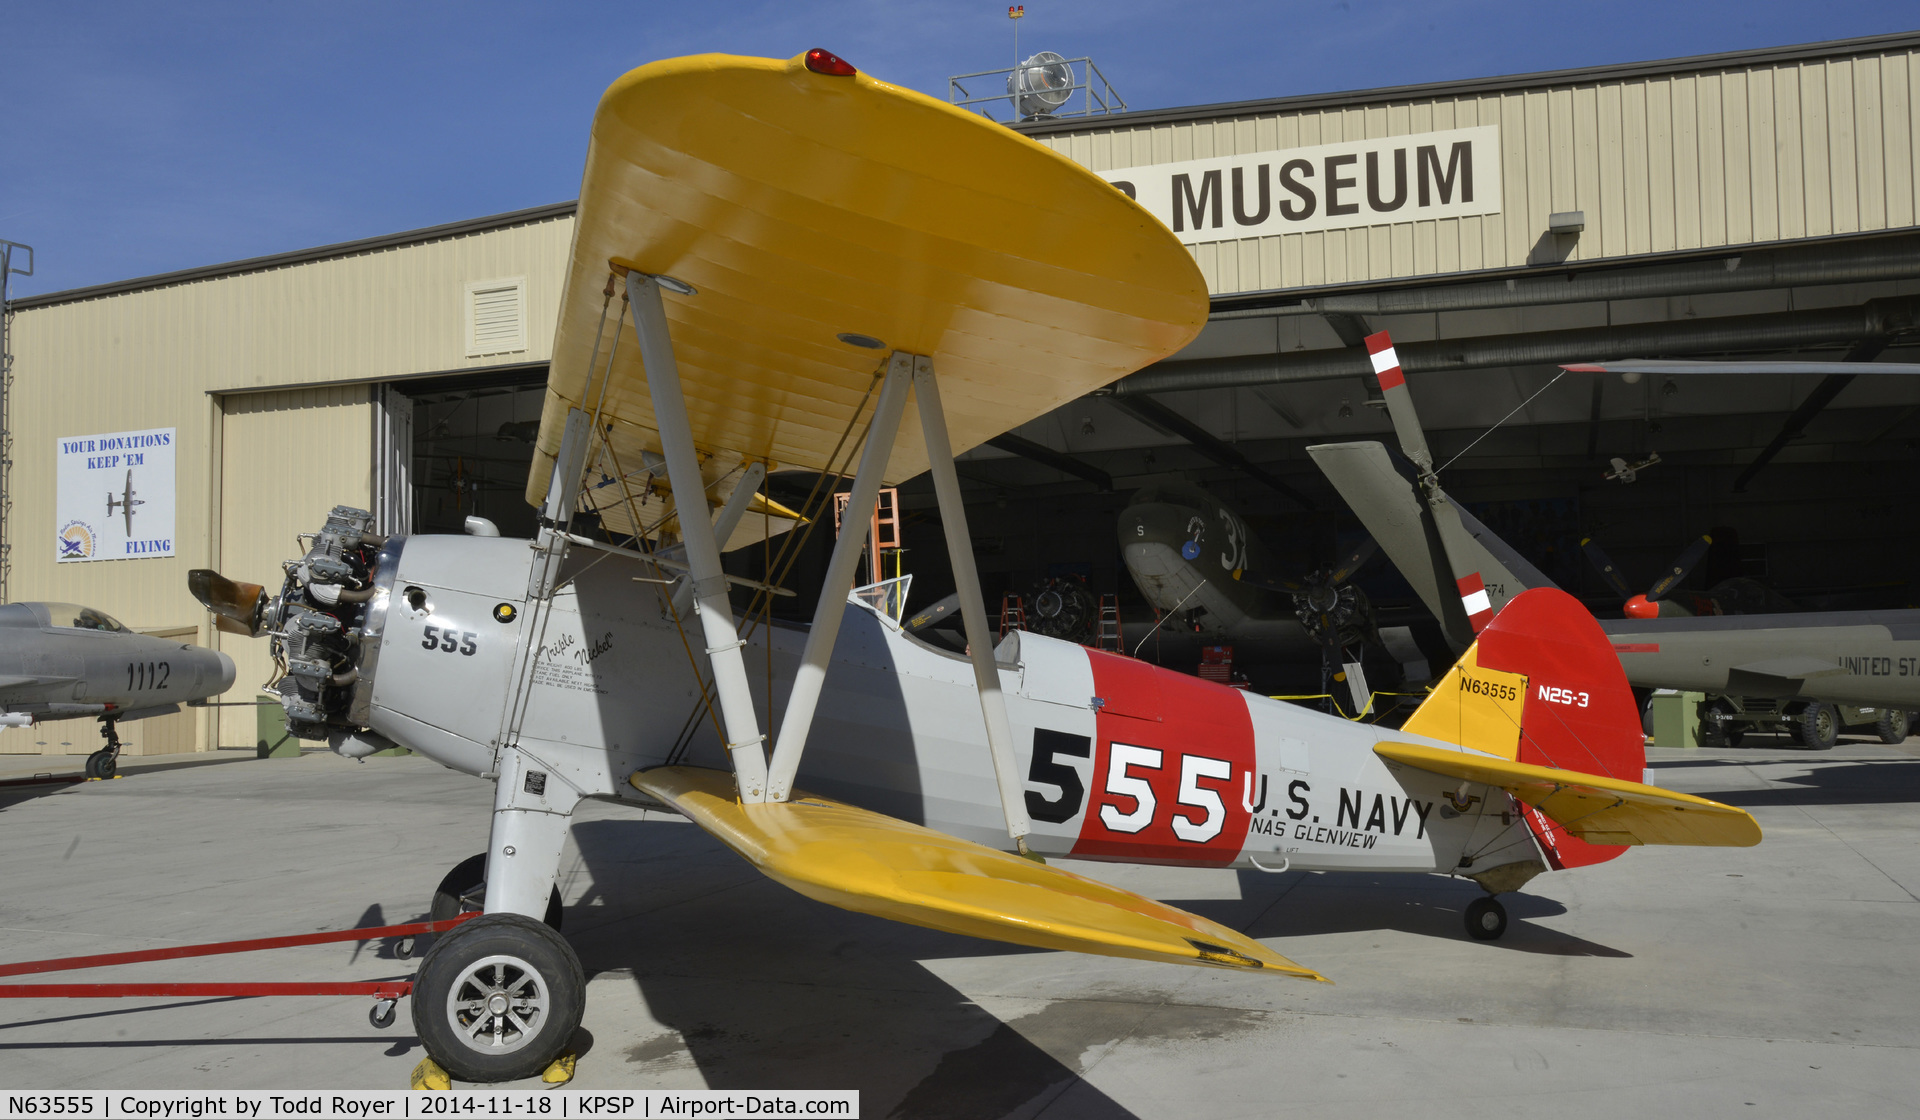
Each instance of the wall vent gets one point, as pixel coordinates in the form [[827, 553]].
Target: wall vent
[[496, 312]]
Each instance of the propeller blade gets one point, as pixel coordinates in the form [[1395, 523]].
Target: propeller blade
[[1680, 568], [1604, 565], [1356, 560], [1284, 587], [242, 605], [933, 614]]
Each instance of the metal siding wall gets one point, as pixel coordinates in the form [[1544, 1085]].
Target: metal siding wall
[[1662, 164], [149, 359], [288, 459]]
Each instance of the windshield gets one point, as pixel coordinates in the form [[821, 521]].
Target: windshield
[[75, 617]]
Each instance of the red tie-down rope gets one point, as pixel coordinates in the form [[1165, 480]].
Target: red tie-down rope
[[380, 989]]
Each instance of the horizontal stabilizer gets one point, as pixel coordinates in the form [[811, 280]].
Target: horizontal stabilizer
[[875, 864], [1596, 809]]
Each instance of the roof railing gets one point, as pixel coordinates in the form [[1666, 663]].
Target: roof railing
[[1096, 92]]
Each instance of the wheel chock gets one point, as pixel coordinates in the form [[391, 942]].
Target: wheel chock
[[429, 1075], [561, 1071]]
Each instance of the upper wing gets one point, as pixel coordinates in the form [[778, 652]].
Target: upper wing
[[874, 864], [802, 206], [1596, 809]]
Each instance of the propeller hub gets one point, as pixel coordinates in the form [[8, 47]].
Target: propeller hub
[[1641, 607]]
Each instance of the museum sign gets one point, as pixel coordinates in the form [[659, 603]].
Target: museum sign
[[1450, 174]]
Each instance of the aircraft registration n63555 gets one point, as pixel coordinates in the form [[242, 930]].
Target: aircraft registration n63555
[[771, 260]]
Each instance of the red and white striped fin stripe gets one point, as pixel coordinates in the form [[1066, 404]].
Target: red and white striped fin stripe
[[1474, 597], [1386, 363]]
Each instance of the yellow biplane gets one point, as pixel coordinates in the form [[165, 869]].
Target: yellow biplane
[[774, 263]]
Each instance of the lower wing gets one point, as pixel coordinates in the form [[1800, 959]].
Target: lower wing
[[875, 864]]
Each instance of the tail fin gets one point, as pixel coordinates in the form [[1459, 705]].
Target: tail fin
[[1542, 685]]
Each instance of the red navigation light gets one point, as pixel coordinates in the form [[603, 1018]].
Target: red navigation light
[[1639, 607], [826, 62]]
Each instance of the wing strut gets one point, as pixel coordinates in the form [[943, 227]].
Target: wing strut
[[709, 582], [812, 672], [904, 371], [973, 609]]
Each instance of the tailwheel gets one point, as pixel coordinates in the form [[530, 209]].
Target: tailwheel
[[498, 998], [1486, 919]]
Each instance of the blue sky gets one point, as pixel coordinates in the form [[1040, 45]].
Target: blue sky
[[142, 138]]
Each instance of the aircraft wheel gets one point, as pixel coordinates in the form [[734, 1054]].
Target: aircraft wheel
[[1817, 726], [1892, 726], [465, 888], [498, 998], [102, 764], [1486, 919]]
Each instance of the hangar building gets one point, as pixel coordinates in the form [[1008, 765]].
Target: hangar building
[[1756, 204]]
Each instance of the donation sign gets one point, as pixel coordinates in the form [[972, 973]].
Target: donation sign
[[1451, 174], [114, 495]]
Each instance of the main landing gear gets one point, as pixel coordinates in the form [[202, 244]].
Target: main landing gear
[[1486, 919], [105, 761], [465, 889], [498, 997]]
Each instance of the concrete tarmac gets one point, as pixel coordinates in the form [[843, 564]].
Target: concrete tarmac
[[1777, 980]]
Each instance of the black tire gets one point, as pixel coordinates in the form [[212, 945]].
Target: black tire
[[1892, 725], [465, 888], [1816, 726], [1716, 728], [498, 998], [102, 764], [1486, 919], [1712, 734]]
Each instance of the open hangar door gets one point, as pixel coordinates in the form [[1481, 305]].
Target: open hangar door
[[1805, 480], [468, 444]]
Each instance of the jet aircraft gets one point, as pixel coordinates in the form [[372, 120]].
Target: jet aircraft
[[61, 661], [799, 250], [1802, 662]]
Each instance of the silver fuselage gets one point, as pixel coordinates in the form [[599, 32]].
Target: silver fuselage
[[1136, 763], [51, 668]]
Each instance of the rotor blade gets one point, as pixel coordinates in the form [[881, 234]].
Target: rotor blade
[[1740, 367], [242, 604], [1680, 568], [1355, 561], [1393, 386], [1604, 565]]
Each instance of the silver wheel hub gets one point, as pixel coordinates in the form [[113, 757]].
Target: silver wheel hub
[[498, 1004]]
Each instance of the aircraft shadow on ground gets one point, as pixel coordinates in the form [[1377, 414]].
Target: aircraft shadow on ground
[[1301, 904], [761, 987], [65, 774], [1890, 782]]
